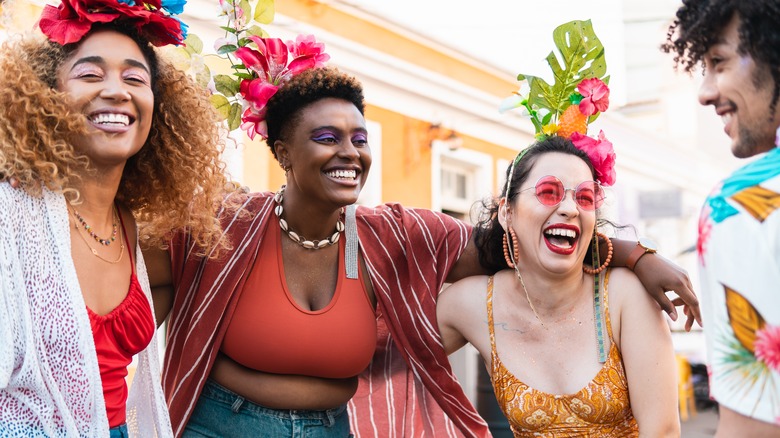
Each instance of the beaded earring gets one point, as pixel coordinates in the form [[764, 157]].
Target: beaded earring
[[510, 260], [598, 270]]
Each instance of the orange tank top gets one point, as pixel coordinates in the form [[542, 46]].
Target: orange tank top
[[601, 408], [270, 332]]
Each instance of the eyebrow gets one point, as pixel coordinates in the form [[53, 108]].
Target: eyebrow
[[100, 60]]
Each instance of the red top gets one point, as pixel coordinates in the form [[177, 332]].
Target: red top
[[119, 335], [270, 332]]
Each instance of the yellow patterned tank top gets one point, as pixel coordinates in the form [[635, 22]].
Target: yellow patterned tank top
[[600, 409]]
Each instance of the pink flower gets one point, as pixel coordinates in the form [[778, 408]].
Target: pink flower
[[595, 96], [601, 155], [257, 92], [254, 124], [767, 346], [306, 46]]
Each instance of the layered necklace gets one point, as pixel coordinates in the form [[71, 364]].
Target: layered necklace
[[105, 242], [297, 237]]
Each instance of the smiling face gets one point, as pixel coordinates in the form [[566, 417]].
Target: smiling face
[[108, 80], [741, 92], [553, 238], [327, 154]]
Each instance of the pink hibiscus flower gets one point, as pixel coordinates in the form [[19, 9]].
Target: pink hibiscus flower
[[601, 155], [767, 346], [705, 229], [595, 96]]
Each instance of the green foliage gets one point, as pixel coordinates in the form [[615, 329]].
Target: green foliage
[[234, 116], [264, 11], [580, 56], [193, 44], [226, 85], [221, 104]]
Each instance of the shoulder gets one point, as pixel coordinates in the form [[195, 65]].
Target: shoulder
[[624, 286], [424, 220], [468, 291]]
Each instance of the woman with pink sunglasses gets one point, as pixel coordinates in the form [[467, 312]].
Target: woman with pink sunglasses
[[546, 324]]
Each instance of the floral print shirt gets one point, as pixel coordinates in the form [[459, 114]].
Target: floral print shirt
[[739, 259]]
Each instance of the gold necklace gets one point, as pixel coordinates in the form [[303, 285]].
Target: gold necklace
[[94, 251], [528, 298]]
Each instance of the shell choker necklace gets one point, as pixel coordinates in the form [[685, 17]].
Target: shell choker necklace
[[299, 239]]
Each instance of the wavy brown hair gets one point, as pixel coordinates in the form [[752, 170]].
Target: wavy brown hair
[[176, 181]]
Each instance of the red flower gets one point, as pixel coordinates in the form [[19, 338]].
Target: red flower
[[73, 19], [601, 155], [595, 96]]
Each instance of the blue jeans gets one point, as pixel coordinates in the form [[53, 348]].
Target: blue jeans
[[223, 413], [119, 432]]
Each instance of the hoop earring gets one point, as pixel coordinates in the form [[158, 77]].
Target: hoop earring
[[598, 270], [510, 260]]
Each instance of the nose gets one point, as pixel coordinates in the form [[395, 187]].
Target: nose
[[708, 91], [568, 206], [348, 150], [114, 88]]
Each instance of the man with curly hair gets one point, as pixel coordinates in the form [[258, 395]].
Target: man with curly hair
[[739, 250]]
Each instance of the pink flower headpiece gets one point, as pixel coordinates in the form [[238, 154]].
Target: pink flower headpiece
[[566, 107], [153, 19], [271, 64]]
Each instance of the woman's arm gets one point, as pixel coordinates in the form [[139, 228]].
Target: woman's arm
[[158, 266], [648, 355], [657, 274]]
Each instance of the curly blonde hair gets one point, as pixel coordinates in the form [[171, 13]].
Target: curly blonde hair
[[176, 181]]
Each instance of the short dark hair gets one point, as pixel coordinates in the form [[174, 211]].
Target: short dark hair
[[303, 89], [699, 23]]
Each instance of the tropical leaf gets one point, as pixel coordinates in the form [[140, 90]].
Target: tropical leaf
[[580, 56], [264, 11], [221, 104], [743, 318], [758, 201]]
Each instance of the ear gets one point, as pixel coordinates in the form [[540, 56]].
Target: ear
[[282, 154], [504, 213]]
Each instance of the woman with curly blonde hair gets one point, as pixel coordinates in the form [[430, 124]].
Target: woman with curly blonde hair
[[99, 133]]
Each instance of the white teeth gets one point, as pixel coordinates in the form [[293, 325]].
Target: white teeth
[[561, 232], [112, 119], [726, 118], [344, 174]]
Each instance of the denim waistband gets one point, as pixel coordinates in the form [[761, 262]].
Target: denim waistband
[[219, 393]]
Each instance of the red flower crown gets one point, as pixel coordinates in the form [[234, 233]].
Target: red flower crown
[[153, 19]]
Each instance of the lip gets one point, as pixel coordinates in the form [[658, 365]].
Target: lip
[[350, 183], [557, 249], [112, 129]]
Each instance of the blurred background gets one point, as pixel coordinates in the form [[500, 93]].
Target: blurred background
[[434, 73]]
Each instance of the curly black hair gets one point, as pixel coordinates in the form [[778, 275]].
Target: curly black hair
[[284, 108], [700, 22]]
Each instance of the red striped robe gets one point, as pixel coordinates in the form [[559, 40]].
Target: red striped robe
[[408, 390]]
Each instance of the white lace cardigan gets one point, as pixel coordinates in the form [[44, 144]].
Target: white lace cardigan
[[49, 377]]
